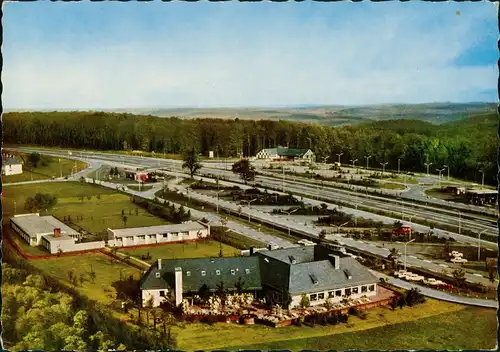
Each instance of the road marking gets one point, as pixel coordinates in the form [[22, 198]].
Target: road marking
[[478, 275], [412, 256], [427, 261], [433, 270], [443, 265], [385, 249]]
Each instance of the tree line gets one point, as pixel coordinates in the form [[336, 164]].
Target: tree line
[[466, 146]]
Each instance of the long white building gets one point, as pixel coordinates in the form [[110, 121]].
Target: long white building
[[188, 231]]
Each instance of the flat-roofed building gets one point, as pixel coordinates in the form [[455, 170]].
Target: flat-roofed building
[[32, 227], [482, 196], [187, 231]]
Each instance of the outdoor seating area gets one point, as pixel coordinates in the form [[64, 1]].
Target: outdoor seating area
[[245, 309]]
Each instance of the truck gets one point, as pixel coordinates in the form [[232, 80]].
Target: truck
[[402, 230]]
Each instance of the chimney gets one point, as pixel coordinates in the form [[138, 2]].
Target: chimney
[[57, 232], [178, 286], [251, 250], [159, 264], [270, 247], [335, 260]]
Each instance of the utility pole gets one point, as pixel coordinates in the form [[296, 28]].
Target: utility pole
[[459, 221], [440, 170], [405, 250], [283, 183], [482, 183]]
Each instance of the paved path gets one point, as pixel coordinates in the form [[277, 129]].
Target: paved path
[[426, 291]]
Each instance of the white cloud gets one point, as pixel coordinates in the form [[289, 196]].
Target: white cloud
[[366, 60]]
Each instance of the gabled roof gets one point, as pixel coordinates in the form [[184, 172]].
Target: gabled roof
[[11, 161], [216, 270], [302, 254], [322, 276]]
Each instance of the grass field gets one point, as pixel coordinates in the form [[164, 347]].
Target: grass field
[[106, 273], [143, 188], [54, 168], [233, 336], [208, 248], [466, 329], [98, 214]]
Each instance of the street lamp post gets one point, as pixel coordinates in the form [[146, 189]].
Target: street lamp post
[[353, 162], [399, 165], [248, 202], [479, 244], [447, 167], [459, 221], [482, 182], [283, 183], [383, 167], [427, 164], [288, 214], [405, 250], [339, 155], [218, 200], [410, 217], [339, 226], [367, 158], [440, 170], [15, 207]]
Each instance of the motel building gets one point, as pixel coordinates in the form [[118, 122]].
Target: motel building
[[46, 231], [187, 231], [314, 271]]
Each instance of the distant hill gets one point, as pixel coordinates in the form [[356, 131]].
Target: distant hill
[[435, 113]]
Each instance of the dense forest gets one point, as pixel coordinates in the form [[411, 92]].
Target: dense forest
[[466, 146]]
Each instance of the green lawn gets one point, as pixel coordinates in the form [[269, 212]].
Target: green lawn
[[98, 214], [234, 336], [143, 188], [468, 329], [106, 273], [209, 248], [53, 168], [23, 245]]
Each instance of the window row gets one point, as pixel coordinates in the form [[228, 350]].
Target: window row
[[204, 273], [338, 293]]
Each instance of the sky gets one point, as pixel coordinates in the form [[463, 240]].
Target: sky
[[111, 55]]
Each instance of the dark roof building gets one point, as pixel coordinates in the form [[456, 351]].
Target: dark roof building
[[297, 270], [285, 153]]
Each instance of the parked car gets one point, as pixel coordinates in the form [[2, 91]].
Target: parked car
[[400, 273], [458, 260], [456, 254], [414, 277], [433, 282]]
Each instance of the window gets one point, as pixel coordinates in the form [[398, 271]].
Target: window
[[217, 272], [363, 288], [371, 288], [355, 290], [313, 297], [330, 294], [188, 273], [158, 275], [338, 293], [321, 295], [203, 273], [347, 291], [232, 272], [247, 271], [162, 293]]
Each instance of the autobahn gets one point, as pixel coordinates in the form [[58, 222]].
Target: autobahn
[[407, 209], [96, 160]]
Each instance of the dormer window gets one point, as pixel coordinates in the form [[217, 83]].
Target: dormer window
[[188, 273], [247, 271], [158, 275], [217, 272], [233, 272], [203, 273]]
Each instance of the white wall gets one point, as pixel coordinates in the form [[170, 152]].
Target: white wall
[[158, 238], [15, 169], [297, 298], [157, 299]]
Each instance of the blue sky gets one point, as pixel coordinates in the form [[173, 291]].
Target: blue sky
[[125, 55]]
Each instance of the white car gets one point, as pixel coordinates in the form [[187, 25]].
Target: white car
[[400, 274], [458, 260], [433, 282], [456, 254]]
